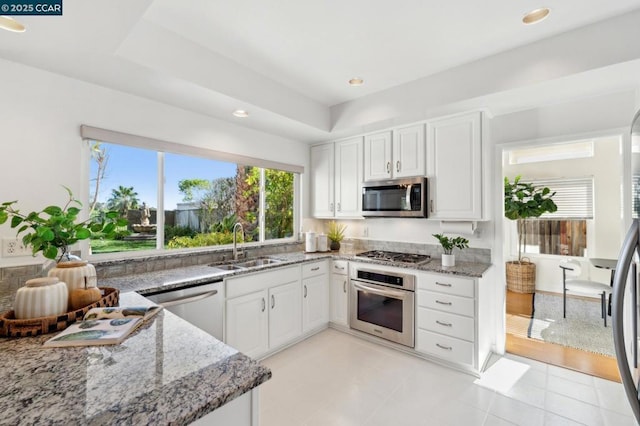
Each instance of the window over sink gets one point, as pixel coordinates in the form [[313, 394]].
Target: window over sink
[[179, 201]]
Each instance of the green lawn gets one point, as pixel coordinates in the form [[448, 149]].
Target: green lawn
[[110, 246]]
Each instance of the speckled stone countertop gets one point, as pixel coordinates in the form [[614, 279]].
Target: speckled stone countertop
[[150, 282], [167, 372]]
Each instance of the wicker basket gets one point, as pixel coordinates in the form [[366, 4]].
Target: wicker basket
[[12, 327], [521, 276]]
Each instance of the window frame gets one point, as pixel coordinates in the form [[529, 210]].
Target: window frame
[[90, 134]]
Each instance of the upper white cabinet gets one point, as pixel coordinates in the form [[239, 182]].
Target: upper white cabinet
[[454, 167], [408, 151], [322, 179], [336, 176], [400, 153], [377, 156]]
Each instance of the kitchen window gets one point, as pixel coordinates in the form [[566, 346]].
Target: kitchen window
[[180, 201], [563, 232]]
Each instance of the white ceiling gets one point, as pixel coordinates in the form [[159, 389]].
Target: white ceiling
[[286, 61]]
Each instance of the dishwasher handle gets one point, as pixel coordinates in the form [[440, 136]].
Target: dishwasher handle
[[188, 299]]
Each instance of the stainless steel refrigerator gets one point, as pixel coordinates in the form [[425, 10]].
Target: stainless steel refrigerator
[[624, 309]]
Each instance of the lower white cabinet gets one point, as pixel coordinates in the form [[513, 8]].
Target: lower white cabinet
[[447, 316], [339, 293], [315, 296], [247, 323], [284, 314], [263, 310]]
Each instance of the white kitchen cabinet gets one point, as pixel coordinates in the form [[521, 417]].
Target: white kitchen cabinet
[[315, 296], [448, 319], [348, 170], [336, 176], [322, 180], [284, 314], [263, 310], [377, 156], [409, 151], [339, 291], [247, 323], [454, 167], [396, 154]]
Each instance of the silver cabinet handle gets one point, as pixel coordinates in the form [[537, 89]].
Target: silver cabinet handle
[[344, 286], [397, 166], [264, 305], [443, 303], [189, 299], [444, 324], [446, 348], [273, 301], [431, 208], [388, 166], [340, 268], [443, 284], [305, 291], [339, 209], [316, 268], [331, 206]]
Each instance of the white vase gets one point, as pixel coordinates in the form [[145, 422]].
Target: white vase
[[448, 260], [75, 274]]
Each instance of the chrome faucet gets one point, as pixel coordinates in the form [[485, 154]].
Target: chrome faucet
[[235, 239]]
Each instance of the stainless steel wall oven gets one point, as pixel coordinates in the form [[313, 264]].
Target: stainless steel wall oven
[[382, 304]]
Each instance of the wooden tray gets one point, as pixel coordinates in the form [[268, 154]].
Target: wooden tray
[[12, 327]]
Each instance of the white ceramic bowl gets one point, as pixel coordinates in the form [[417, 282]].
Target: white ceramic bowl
[[41, 297]]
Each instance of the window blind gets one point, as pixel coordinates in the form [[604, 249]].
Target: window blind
[[574, 197]]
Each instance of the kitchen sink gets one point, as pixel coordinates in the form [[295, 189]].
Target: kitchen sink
[[258, 262], [227, 267]]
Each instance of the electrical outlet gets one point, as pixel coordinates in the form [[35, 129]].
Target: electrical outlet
[[12, 247], [365, 231]]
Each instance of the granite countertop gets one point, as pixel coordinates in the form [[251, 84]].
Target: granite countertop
[[167, 372], [150, 282]]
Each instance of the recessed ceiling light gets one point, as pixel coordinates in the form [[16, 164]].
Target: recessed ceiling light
[[11, 24], [536, 15], [356, 81], [241, 113]]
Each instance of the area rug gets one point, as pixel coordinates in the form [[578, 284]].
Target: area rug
[[582, 329]]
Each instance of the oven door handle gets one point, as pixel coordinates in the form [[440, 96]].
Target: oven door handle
[[389, 293]]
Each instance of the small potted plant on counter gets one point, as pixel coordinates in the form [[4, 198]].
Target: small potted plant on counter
[[448, 244], [335, 233]]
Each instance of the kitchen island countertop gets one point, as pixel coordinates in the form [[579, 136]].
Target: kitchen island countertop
[[167, 372]]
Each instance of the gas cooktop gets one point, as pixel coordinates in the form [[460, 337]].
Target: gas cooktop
[[392, 256]]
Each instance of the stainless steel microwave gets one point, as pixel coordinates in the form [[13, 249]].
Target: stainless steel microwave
[[395, 198]]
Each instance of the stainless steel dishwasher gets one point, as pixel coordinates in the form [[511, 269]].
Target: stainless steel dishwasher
[[201, 305]]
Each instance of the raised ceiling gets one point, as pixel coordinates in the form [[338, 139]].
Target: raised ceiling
[[285, 61]]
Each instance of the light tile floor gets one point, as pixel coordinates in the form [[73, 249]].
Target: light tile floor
[[334, 378]]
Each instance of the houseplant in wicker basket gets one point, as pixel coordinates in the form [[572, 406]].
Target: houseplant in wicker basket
[[524, 201]]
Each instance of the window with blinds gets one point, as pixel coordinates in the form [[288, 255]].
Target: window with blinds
[[574, 197], [563, 232]]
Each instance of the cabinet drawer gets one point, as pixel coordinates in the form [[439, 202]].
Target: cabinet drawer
[[446, 302], [250, 283], [447, 348], [448, 324], [339, 267], [448, 284], [315, 268]]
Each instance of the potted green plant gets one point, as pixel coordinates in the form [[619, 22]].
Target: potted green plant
[[524, 201], [335, 233], [448, 244], [54, 229]]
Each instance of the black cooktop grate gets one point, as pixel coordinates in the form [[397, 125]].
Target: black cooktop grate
[[392, 256]]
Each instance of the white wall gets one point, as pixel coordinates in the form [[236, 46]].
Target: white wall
[[41, 114]]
